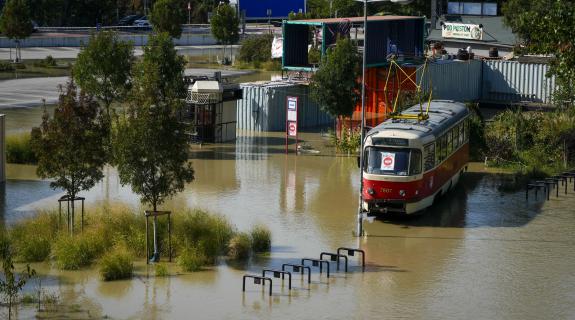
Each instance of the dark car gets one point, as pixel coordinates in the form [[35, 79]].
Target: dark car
[[129, 20]]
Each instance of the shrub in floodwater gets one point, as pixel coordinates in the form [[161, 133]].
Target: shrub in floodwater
[[116, 264], [240, 246], [32, 237], [74, 252], [121, 224], [19, 150], [161, 270], [261, 239], [191, 259], [209, 233]]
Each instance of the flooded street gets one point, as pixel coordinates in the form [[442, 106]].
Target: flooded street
[[477, 254]]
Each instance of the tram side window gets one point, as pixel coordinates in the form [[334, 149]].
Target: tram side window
[[466, 129], [462, 133], [438, 150], [449, 142], [430, 156], [415, 162], [456, 143], [443, 148]]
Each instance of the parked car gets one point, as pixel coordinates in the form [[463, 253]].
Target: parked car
[[129, 20], [143, 23]]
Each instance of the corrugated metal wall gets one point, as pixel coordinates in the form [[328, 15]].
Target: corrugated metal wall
[[453, 80], [263, 107], [512, 81]]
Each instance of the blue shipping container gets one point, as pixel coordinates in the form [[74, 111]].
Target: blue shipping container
[[257, 9]]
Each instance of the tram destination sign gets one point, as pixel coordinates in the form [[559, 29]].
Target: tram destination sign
[[396, 142]]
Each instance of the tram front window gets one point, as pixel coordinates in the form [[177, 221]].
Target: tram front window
[[391, 161]]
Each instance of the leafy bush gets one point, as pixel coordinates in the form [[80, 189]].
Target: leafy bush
[[240, 246], [116, 264], [32, 237], [256, 49], [191, 259], [75, 252], [49, 61], [261, 239], [19, 150], [348, 142]]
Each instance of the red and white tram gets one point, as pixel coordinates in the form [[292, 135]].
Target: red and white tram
[[408, 163]]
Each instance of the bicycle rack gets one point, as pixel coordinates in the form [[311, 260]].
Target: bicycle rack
[[299, 268], [257, 280], [564, 181], [555, 183], [317, 262], [277, 274], [536, 186], [351, 252], [334, 257]]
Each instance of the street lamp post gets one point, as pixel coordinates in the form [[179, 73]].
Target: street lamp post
[[360, 213]]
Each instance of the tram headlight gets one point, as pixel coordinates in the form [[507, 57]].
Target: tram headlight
[[402, 193], [370, 191]]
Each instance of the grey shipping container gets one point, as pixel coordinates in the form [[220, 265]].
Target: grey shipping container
[[512, 81], [452, 80], [263, 107]]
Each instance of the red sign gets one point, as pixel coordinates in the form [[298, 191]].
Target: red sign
[[387, 161], [292, 128]]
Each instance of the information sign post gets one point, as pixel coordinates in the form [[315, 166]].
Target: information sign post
[[291, 121]]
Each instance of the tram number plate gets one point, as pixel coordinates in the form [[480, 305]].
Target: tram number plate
[[276, 274], [295, 269], [315, 263], [333, 258], [257, 281], [350, 252]]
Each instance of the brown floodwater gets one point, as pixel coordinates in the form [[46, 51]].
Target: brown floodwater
[[478, 254]]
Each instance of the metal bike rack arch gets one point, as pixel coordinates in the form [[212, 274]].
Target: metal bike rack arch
[[317, 262], [257, 280], [351, 252], [277, 274], [335, 257], [299, 268]]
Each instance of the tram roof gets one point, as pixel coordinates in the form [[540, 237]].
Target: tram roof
[[442, 115]]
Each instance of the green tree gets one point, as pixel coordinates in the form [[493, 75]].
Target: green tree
[[150, 147], [547, 27], [225, 25], [334, 86], [159, 76], [168, 16], [70, 146], [10, 286], [103, 68], [15, 22]]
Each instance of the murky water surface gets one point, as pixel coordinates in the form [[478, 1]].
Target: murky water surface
[[478, 254]]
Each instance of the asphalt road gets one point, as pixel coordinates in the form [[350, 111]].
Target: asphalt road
[[30, 92], [71, 53]]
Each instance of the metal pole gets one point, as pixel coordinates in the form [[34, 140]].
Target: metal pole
[[359, 227]]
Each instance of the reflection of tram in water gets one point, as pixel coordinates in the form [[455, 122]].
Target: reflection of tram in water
[[408, 162]]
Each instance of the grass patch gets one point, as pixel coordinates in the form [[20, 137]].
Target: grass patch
[[208, 233], [161, 270], [75, 252], [240, 247], [261, 239], [117, 264], [19, 149], [191, 259], [32, 238], [36, 68]]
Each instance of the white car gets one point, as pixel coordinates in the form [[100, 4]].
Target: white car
[[143, 23]]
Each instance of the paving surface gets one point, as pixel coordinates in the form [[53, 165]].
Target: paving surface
[[31, 92], [71, 53]]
